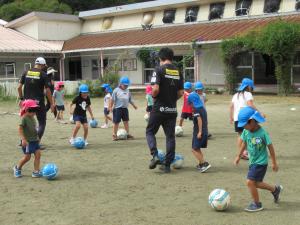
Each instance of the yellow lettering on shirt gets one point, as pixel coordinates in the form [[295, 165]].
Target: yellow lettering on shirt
[[33, 74], [172, 72]]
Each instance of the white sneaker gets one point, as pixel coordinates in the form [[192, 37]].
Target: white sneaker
[[86, 143], [71, 141], [104, 126]]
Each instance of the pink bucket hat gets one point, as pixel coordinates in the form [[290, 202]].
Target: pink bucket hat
[[28, 104], [149, 89], [58, 84]]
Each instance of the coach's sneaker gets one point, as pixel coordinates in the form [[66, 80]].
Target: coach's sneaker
[[204, 167], [154, 162], [254, 207], [17, 172], [36, 174], [276, 193]]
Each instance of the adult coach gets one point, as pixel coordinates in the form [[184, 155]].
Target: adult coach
[[167, 88], [35, 81]]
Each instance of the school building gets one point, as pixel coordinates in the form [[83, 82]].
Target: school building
[[85, 46]]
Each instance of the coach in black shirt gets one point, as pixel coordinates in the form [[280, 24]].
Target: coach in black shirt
[[167, 88], [35, 81]]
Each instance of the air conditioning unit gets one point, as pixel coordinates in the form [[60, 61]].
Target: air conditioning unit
[[243, 7], [216, 11], [169, 16], [272, 6], [191, 14]]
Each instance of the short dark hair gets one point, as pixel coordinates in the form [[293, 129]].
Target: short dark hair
[[166, 54]]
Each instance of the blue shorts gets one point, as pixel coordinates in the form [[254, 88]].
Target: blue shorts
[[257, 172], [31, 148], [60, 108], [106, 111], [120, 114], [199, 143], [81, 119]]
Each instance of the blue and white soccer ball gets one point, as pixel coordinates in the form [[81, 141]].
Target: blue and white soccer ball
[[93, 123], [79, 143], [219, 199], [161, 155], [122, 134], [178, 131], [178, 161], [50, 171], [146, 117]]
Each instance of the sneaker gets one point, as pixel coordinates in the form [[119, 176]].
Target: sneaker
[[254, 207], [104, 126], [63, 122], [71, 141], [165, 168], [36, 174], [86, 143], [199, 166], [276, 193], [209, 136], [204, 167], [154, 162], [115, 137], [17, 172]]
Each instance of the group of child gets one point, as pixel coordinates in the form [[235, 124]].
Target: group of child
[[243, 113]]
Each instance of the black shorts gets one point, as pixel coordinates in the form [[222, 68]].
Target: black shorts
[[60, 108], [257, 172], [185, 116], [149, 108], [106, 111], [236, 128], [81, 119], [31, 148], [120, 114]]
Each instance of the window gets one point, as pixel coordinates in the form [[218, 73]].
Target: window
[[115, 63], [272, 6], [191, 14], [216, 11], [27, 66], [296, 69], [95, 69], [7, 70], [297, 6], [169, 16], [242, 7], [244, 68], [129, 65]]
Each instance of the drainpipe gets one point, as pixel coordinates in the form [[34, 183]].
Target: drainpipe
[[62, 67], [101, 66]]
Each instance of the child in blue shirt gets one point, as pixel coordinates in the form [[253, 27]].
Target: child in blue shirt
[[121, 98], [200, 131], [256, 140]]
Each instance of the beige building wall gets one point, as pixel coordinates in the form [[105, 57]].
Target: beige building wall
[[30, 29]]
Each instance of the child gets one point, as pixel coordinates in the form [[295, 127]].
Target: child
[[58, 100], [256, 140], [149, 99], [121, 97], [29, 137], [187, 110], [107, 99], [240, 100], [82, 103], [199, 131]]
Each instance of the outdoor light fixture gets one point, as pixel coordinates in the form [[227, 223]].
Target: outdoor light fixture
[[242, 7], [272, 6], [169, 16], [216, 11], [191, 14]]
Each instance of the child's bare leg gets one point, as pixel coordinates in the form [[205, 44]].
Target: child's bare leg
[[181, 122], [107, 118], [37, 159], [62, 115], [115, 128], [265, 186], [85, 130], [57, 115], [76, 129], [198, 155], [253, 190], [126, 126], [24, 160]]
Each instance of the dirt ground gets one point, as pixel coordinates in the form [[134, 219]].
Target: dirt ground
[[109, 182]]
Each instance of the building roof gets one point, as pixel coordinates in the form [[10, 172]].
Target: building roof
[[12, 41], [209, 32], [43, 16], [136, 7]]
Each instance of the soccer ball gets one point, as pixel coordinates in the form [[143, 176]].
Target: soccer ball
[[161, 155], [219, 199], [50, 171], [93, 123], [146, 117], [71, 120], [178, 131], [79, 143], [178, 161], [122, 134]]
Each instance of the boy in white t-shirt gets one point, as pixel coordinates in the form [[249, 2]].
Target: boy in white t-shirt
[[107, 99], [240, 100]]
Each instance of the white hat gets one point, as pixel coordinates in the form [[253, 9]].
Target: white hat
[[40, 61], [51, 70]]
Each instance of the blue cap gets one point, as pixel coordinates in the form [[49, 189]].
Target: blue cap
[[245, 83], [83, 88], [187, 85], [105, 85], [199, 86], [108, 89], [248, 113], [195, 99], [125, 81]]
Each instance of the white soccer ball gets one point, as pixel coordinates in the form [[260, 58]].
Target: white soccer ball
[[219, 199], [178, 161], [71, 120], [122, 134], [178, 131], [146, 117]]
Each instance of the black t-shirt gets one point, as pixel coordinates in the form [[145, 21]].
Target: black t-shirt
[[34, 81], [170, 81], [81, 105]]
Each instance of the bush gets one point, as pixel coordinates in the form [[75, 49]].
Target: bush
[[111, 78], [94, 87]]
